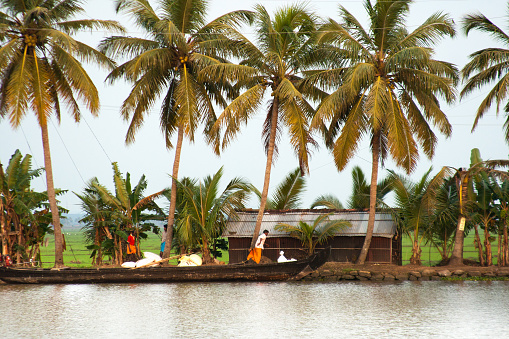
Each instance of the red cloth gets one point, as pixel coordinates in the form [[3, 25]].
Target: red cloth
[[130, 240], [131, 248]]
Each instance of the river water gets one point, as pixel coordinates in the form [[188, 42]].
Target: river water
[[430, 309]]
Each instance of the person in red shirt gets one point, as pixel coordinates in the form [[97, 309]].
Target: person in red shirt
[[131, 245]]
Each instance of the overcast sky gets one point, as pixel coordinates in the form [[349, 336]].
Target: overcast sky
[[82, 151]]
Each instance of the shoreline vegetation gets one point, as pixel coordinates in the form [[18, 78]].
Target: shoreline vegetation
[[330, 272]]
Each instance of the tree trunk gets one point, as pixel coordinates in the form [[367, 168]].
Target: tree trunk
[[207, 258], [506, 247], [268, 167], [487, 245], [479, 245], [59, 251], [3, 228], [372, 198], [459, 238], [500, 260], [173, 194], [415, 259], [457, 252]]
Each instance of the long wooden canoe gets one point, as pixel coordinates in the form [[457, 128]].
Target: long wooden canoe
[[261, 272]]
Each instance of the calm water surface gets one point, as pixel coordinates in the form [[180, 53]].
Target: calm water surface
[[257, 310]]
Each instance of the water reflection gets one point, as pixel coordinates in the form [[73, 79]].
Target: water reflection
[[267, 310]]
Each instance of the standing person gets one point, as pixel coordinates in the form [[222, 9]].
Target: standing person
[[256, 253], [163, 239], [131, 247]]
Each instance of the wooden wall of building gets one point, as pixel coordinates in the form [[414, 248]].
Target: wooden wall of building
[[343, 249]]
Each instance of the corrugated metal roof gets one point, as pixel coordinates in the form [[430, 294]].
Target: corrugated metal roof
[[244, 227]]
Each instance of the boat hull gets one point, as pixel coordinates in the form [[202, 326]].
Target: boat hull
[[261, 272]]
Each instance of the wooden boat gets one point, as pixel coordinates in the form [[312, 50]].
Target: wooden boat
[[262, 272]]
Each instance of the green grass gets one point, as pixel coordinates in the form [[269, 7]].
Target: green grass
[[430, 255]]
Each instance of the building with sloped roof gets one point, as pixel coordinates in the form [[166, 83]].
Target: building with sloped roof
[[345, 246]]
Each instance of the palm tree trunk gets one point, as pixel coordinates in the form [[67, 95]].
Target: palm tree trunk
[[59, 253], [268, 168], [372, 198], [457, 252], [459, 238], [173, 196], [207, 258]]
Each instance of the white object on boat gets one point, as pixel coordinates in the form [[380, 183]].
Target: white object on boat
[[153, 256], [282, 257], [196, 259], [191, 260], [144, 262], [128, 264], [186, 261]]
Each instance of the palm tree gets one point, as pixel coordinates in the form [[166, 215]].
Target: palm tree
[[387, 86], [319, 232], [483, 214], [179, 46], [327, 201], [415, 207], [41, 69], [288, 193], [445, 214], [486, 66], [464, 178], [206, 211], [96, 221], [501, 198], [285, 48], [359, 199], [127, 206], [360, 190]]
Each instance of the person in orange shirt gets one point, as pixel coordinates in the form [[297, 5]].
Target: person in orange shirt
[[256, 253]]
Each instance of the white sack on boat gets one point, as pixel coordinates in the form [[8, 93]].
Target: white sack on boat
[[153, 256], [143, 262], [191, 260], [196, 259], [129, 264]]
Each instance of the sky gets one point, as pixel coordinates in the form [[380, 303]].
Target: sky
[[85, 150]]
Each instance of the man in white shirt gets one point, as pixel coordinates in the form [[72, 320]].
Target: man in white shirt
[[256, 253]]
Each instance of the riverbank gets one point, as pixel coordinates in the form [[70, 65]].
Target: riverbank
[[333, 271]]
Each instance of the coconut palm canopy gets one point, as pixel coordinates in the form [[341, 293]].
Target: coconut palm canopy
[[488, 65], [386, 86]]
